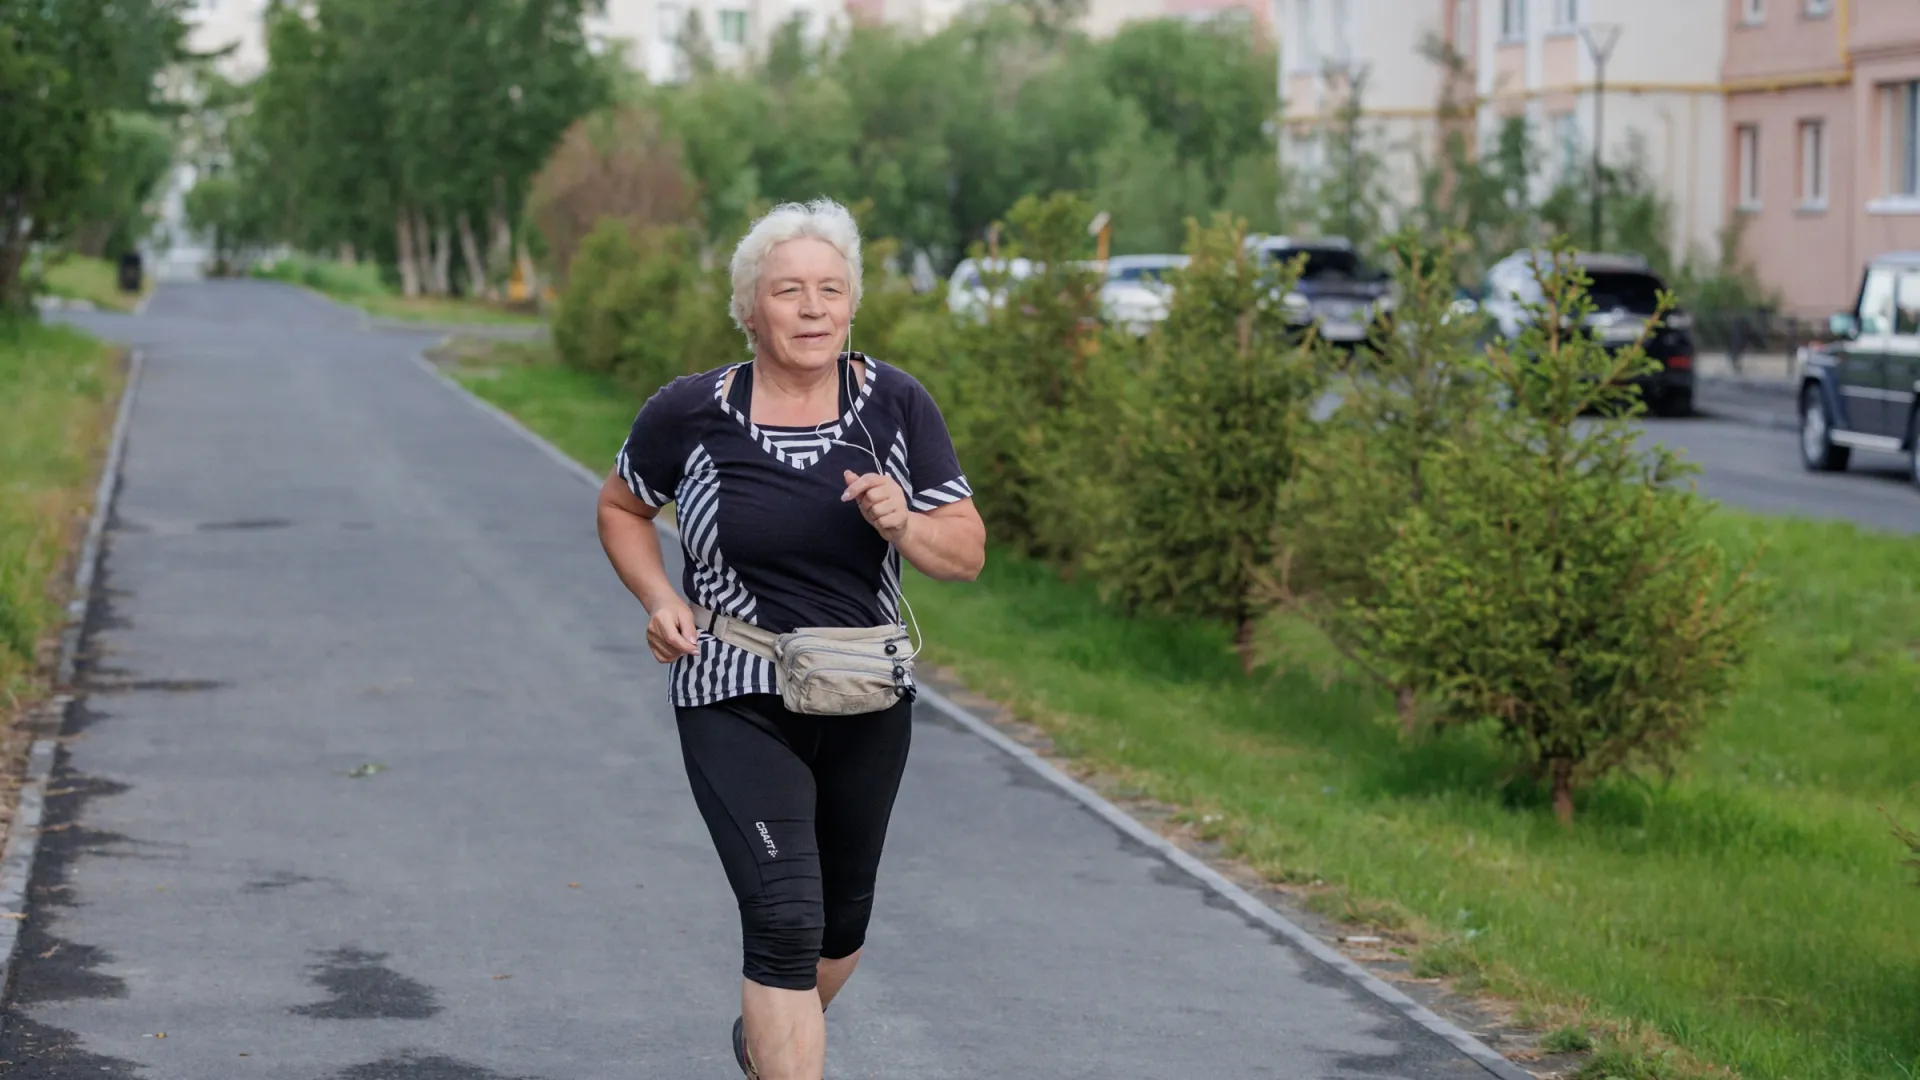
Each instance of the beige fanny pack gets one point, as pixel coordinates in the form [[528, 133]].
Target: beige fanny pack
[[825, 671]]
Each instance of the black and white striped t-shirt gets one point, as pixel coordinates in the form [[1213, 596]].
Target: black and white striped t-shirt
[[766, 538]]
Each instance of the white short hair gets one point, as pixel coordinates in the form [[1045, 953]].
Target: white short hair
[[821, 219]]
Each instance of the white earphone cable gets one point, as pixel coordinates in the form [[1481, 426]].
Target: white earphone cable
[[872, 449]]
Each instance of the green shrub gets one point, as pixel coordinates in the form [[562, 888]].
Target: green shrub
[[1007, 381], [1362, 470], [1559, 582], [1208, 442], [336, 279], [639, 307]]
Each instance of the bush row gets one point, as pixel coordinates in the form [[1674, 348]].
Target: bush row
[[1461, 526]]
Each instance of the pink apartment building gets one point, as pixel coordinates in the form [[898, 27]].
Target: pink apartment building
[[1823, 141]]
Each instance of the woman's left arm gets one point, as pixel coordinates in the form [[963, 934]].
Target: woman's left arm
[[947, 543]]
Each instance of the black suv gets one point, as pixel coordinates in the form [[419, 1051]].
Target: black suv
[[1625, 294], [1337, 288], [1862, 390]]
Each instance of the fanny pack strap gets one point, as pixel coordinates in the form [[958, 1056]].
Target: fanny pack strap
[[734, 632]]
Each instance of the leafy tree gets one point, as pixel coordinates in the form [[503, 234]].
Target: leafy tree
[[221, 209], [1150, 191], [618, 164], [1557, 582], [133, 157], [412, 131], [64, 68], [1208, 87]]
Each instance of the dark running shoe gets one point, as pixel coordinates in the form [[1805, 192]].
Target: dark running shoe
[[740, 1049]]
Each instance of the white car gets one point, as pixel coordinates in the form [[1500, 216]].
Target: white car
[[1137, 292], [968, 292]]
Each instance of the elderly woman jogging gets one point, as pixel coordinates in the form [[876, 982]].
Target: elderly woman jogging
[[801, 479]]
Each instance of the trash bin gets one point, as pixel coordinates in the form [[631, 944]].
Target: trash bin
[[131, 272]]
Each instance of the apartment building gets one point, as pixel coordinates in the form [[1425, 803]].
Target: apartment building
[[1534, 59], [1542, 59], [1823, 132], [1329, 49], [648, 32]]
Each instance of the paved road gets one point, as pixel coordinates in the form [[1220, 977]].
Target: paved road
[[1758, 468], [321, 561]]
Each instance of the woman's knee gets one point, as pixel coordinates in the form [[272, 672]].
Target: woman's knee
[[782, 938], [846, 927]]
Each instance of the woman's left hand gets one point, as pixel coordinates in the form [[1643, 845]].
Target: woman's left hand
[[882, 502]]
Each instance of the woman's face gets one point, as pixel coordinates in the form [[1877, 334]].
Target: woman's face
[[802, 304]]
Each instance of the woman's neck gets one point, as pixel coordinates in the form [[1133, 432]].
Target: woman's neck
[[785, 397]]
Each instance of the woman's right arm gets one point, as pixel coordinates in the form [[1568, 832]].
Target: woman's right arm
[[632, 543]]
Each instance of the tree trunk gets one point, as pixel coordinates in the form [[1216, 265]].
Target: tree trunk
[[347, 256], [1243, 643], [403, 246], [530, 276], [500, 243], [1563, 791], [470, 250], [1403, 703], [422, 253], [442, 259], [13, 256]]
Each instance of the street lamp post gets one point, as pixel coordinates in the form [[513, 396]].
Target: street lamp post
[[1600, 39]]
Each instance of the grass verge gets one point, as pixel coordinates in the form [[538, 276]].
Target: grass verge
[[1751, 912], [362, 286], [78, 277], [57, 393]]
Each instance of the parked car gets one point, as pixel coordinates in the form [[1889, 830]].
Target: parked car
[[1626, 296], [1137, 292], [968, 293], [1337, 289], [1859, 391]]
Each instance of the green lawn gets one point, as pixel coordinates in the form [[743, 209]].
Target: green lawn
[[1752, 910], [79, 277], [57, 391], [362, 286]]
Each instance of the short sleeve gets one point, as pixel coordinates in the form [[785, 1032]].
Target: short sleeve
[[655, 453], [933, 468]]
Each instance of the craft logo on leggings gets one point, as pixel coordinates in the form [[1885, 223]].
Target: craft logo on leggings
[[766, 838]]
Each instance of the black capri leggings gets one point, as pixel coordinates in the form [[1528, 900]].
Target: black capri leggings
[[798, 808]]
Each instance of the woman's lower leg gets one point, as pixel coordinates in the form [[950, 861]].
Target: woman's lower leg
[[786, 1035]]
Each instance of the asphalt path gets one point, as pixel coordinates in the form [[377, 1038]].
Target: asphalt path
[[373, 778]]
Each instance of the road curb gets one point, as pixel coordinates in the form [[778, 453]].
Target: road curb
[[23, 834], [1482, 1054]]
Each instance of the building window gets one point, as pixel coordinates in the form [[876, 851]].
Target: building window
[[1513, 20], [733, 27], [1566, 14], [672, 22], [1309, 47], [1566, 142], [1747, 143], [1901, 103], [1813, 164], [1753, 12], [1816, 9]]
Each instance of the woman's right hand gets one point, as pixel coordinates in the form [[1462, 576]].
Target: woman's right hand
[[671, 633]]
